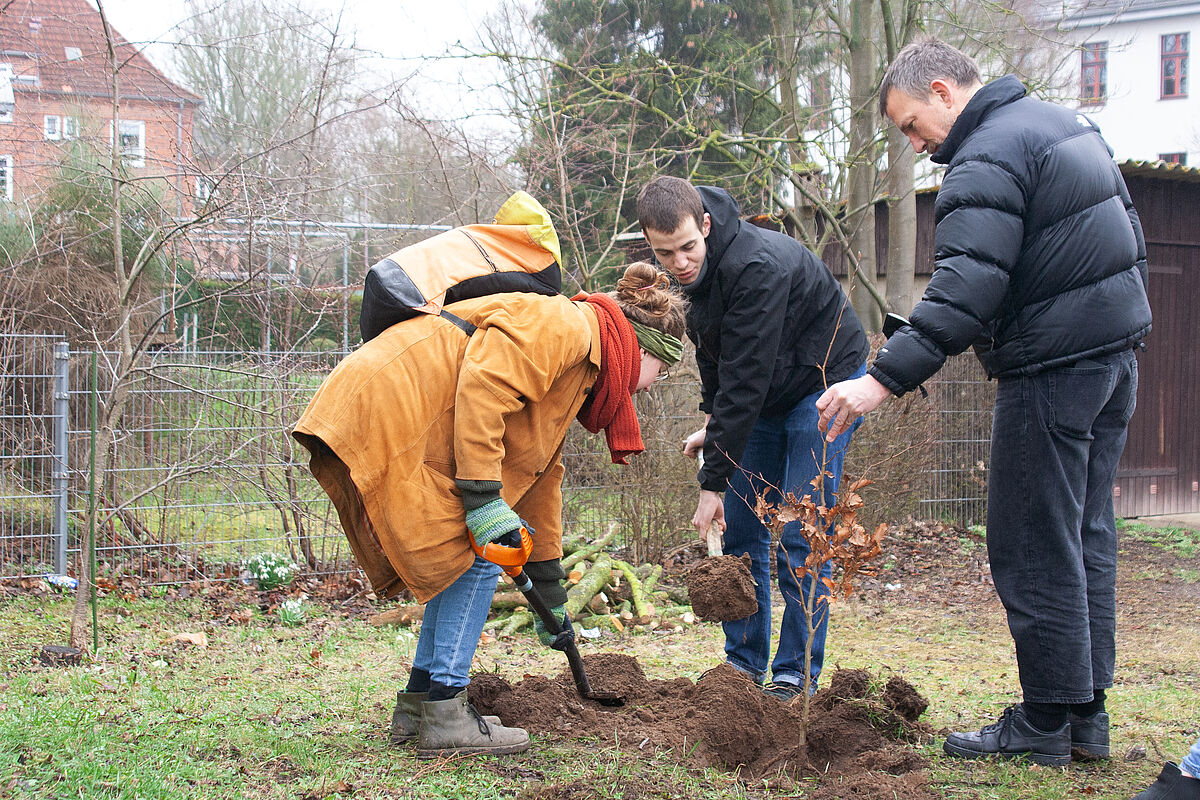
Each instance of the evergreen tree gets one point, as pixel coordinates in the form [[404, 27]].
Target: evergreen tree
[[640, 88]]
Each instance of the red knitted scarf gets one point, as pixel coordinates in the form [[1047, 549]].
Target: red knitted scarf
[[610, 403]]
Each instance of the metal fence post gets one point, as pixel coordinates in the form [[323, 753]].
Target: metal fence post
[[346, 297], [62, 396]]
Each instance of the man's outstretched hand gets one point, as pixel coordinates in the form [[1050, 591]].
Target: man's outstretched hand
[[845, 402]]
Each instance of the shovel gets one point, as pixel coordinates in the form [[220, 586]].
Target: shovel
[[511, 559]]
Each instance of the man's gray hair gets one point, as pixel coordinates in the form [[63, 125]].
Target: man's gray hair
[[921, 63]]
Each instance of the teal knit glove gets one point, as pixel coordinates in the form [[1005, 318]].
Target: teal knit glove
[[544, 636], [491, 521]]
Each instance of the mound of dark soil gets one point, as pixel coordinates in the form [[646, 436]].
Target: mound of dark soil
[[726, 721], [721, 588]]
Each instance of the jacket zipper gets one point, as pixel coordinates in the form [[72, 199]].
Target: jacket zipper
[[482, 252]]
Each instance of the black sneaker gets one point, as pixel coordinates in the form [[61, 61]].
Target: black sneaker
[[1014, 736], [1171, 785], [1089, 736]]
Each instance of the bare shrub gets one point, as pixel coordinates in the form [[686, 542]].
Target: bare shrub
[[894, 449], [654, 496]]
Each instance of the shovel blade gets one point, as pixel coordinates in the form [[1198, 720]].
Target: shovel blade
[[607, 698], [570, 650]]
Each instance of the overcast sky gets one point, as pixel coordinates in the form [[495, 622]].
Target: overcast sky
[[407, 35]]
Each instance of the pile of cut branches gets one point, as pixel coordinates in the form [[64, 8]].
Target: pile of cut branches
[[603, 593]]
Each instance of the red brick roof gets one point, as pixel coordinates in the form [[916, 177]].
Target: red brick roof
[[37, 37]]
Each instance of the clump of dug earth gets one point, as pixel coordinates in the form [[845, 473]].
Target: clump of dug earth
[[721, 588], [857, 735]]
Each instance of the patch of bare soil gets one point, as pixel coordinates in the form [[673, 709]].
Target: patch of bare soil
[[937, 565], [1159, 597], [721, 588], [726, 721], [932, 563]]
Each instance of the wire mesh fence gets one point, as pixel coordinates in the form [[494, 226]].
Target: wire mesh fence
[[31, 476], [961, 399], [653, 497], [203, 472]]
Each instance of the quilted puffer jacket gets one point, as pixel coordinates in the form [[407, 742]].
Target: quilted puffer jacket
[[1040, 260]]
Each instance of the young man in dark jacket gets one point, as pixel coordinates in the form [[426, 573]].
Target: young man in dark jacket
[[772, 329], [1041, 266]]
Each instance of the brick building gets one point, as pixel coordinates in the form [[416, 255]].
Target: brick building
[[56, 87]]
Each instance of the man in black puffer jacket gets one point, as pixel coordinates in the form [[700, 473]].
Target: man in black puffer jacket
[[772, 329], [1041, 266]]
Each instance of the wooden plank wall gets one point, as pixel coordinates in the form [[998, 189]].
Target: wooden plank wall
[[1160, 469]]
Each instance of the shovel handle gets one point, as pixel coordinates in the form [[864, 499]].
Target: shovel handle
[[714, 539], [554, 627], [502, 556]]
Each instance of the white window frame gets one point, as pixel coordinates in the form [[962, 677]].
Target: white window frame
[[52, 127], [134, 156], [70, 127], [6, 170], [7, 99]]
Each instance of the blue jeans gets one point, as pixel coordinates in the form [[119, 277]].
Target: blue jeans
[[453, 623], [1051, 535], [782, 453], [1191, 762]]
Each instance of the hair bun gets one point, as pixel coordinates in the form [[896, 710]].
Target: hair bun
[[645, 293], [643, 277]]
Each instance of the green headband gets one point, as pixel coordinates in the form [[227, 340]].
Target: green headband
[[663, 346]]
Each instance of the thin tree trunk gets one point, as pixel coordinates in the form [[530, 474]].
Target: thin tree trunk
[[902, 224], [786, 46], [113, 410], [862, 159], [902, 200]]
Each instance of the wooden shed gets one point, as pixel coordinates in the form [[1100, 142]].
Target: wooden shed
[[1160, 469]]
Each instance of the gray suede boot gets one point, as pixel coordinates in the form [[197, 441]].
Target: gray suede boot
[[406, 717], [453, 728]]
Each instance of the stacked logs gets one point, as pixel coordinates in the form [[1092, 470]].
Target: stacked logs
[[603, 593]]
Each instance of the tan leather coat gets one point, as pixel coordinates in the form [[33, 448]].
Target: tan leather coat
[[423, 403]]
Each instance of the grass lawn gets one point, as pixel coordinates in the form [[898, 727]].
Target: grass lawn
[[267, 711]]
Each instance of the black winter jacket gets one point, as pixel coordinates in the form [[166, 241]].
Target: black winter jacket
[[1039, 251], [762, 316]]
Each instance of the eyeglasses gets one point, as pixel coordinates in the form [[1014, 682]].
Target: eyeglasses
[[662, 376]]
